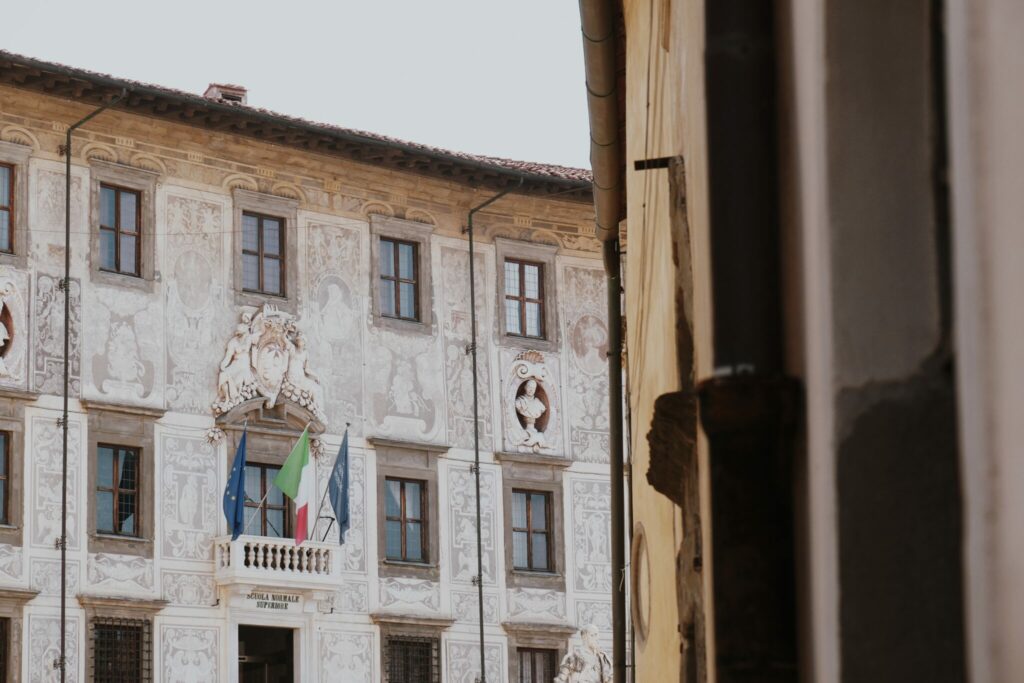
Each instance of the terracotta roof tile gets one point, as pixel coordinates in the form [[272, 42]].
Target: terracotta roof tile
[[540, 169]]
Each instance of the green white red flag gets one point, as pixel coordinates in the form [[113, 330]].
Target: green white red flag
[[297, 480]]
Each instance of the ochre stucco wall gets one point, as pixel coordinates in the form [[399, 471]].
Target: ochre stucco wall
[[668, 59]]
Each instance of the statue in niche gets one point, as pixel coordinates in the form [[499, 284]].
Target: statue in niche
[[530, 413], [530, 409], [587, 664], [267, 356], [5, 328]]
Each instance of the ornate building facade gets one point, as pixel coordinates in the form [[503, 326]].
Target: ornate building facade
[[234, 269]]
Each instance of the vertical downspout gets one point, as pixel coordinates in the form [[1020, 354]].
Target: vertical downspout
[[748, 406], [600, 23], [613, 272], [476, 423], [65, 285]]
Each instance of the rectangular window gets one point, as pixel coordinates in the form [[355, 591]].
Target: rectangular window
[[5, 477], [399, 273], [117, 490], [121, 650], [531, 530], [405, 510], [263, 254], [410, 659], [536, 666], [120, 230], [524, 298], [7, 208], [272, 518]]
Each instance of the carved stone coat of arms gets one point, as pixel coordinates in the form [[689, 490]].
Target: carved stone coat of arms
[[267, 356]]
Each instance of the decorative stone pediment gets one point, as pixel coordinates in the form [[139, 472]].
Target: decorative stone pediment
[[267, 358]]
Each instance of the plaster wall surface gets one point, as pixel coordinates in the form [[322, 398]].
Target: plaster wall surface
[[153, 348]]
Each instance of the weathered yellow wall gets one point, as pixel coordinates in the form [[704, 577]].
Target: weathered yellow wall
[[666, 62]]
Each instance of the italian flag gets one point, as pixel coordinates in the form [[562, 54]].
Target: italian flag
[[296, 479]]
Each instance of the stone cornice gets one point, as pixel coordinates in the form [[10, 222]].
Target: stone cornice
[[539, 628], [379, 442], [402, 619]]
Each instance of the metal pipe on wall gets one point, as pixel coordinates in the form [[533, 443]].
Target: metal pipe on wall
[[476, 422], [613, 272], [65, 286], [599, 26]]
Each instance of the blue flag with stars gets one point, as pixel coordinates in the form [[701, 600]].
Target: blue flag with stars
[[337, 488], [234, 493]]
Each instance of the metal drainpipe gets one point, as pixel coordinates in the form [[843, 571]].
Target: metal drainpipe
[[749, 405], [599, 27], [476, 423], [613, 271], [65, 285]]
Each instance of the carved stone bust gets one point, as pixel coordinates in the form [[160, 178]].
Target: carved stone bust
[[530, 410], [587, 664]]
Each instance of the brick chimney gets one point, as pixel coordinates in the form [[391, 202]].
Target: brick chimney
[[225, 92]]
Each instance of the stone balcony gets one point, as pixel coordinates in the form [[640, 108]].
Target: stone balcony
[[277, 563]]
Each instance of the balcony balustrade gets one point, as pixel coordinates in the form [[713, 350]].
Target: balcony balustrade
[[277, 562]]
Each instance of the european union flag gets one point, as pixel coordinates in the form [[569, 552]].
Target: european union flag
[[337, 488], [234, 493]]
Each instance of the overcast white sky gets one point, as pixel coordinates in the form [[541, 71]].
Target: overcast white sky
[[485, 76]]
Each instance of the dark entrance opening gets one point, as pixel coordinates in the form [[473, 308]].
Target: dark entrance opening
[[265, 655]]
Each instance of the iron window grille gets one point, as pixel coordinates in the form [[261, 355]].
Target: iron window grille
[[272, 518], [536, 665], [7, 208], [122, 650], [117, 490], [412, 659], [524, 298], [120, 230], [399, 279], [405, 528], [531, 530], [263, 262]]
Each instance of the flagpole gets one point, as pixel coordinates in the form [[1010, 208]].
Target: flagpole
[[258, 508], [328, 488]]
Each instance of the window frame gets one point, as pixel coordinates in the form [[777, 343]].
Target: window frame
[[403, 519], [542, 474], [551, 653], [143, 183], [522, 299], [11, 207], [116, 490], [265, 468], [285, 209], [144, 673], [398, 280], [117, 230], [419, 462], [533, 253], [281, 257], [402, 230], [431, 641], [548, 531]]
